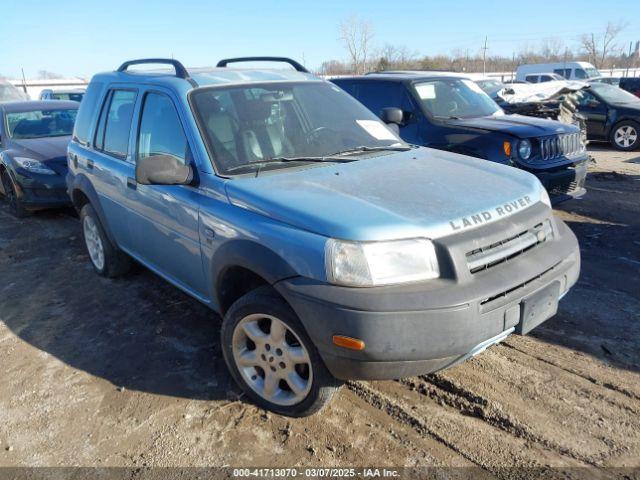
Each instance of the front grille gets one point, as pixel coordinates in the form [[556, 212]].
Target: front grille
[[481, 259], [517, 287], [565, 145], [564, 189]]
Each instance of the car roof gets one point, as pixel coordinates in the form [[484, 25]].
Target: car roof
[[207, 76], [65, 90], [404, 75], [31, 105]]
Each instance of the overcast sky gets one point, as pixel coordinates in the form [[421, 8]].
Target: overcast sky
[[82, 37]]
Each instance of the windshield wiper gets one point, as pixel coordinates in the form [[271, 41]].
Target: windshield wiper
[[364, 149], [268, 161]]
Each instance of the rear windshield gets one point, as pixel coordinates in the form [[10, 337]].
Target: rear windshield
[[73, 96], [40, 123], [612, 94]]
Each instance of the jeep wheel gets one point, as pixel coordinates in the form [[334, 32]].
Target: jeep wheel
[[626, 136], [106, 259], [271, 357], [11, 196]]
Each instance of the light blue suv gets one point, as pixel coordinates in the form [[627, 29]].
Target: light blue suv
[[332, 249]]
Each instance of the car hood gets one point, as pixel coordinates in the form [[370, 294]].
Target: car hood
[[42, 149], [420, 193], [517, 125]]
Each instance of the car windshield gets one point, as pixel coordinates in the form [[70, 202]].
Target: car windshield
[[592, 72], [455, 98], [612, 94], [247, 126], [40, 123]]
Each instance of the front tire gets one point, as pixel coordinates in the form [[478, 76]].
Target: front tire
[[106, 258], [625, 136], [271, 357], [11, 196]]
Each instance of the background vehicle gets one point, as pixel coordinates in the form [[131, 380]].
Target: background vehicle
[[450, 112], [332, 249], [567, 70], [73, 95], [33, 153], [612, 115], [541, 78], [9, 93], [630, 84]]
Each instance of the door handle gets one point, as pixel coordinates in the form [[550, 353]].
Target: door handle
[[131, 183]]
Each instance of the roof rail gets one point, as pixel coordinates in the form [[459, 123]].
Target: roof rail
[[181, 72], [293, 63]]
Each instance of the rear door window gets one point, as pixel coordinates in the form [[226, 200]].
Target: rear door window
[[114, 126], [563, 72], [379, 95], [531, 78]]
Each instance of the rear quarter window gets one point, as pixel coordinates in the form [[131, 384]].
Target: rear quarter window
[[87, 113]]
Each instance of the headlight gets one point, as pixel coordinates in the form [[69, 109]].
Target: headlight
[[367, 264], [544, 197], [524, 149], [33, 166]]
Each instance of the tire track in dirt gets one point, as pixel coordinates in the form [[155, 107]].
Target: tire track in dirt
[[481, 443], [447, 392], [540, 403], [608, 385]]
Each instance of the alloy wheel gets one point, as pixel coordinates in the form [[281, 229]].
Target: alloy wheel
[[94, 242], [625, 136], [272, 359], [10, 193]]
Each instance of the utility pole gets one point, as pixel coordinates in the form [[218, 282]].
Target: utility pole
[[484, 56], [24, 81]]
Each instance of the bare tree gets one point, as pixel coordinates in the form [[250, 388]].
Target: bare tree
[[552, 48], [598, 48], [357, 35]]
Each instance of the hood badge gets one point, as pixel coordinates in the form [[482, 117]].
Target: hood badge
[[488, 215]]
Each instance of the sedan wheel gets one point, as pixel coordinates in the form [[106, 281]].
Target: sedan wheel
[[11, 196], [625, 137]]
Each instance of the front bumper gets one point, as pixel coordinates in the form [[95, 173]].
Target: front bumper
[[41, 191], [566, 183], [420, 328]]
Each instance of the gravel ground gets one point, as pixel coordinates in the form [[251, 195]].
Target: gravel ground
[[128, 372]]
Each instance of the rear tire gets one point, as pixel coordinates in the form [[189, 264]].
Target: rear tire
[[106, 258], [11, 196], [271, 357], [625, 136]]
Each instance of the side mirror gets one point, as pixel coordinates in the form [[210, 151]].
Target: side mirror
[[392, 115], [593, 103], [163, 170]]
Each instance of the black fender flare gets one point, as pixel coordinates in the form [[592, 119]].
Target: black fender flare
[[252, 256], [82, 184]]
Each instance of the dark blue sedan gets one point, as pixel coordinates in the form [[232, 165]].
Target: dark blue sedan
[[33, 153]]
